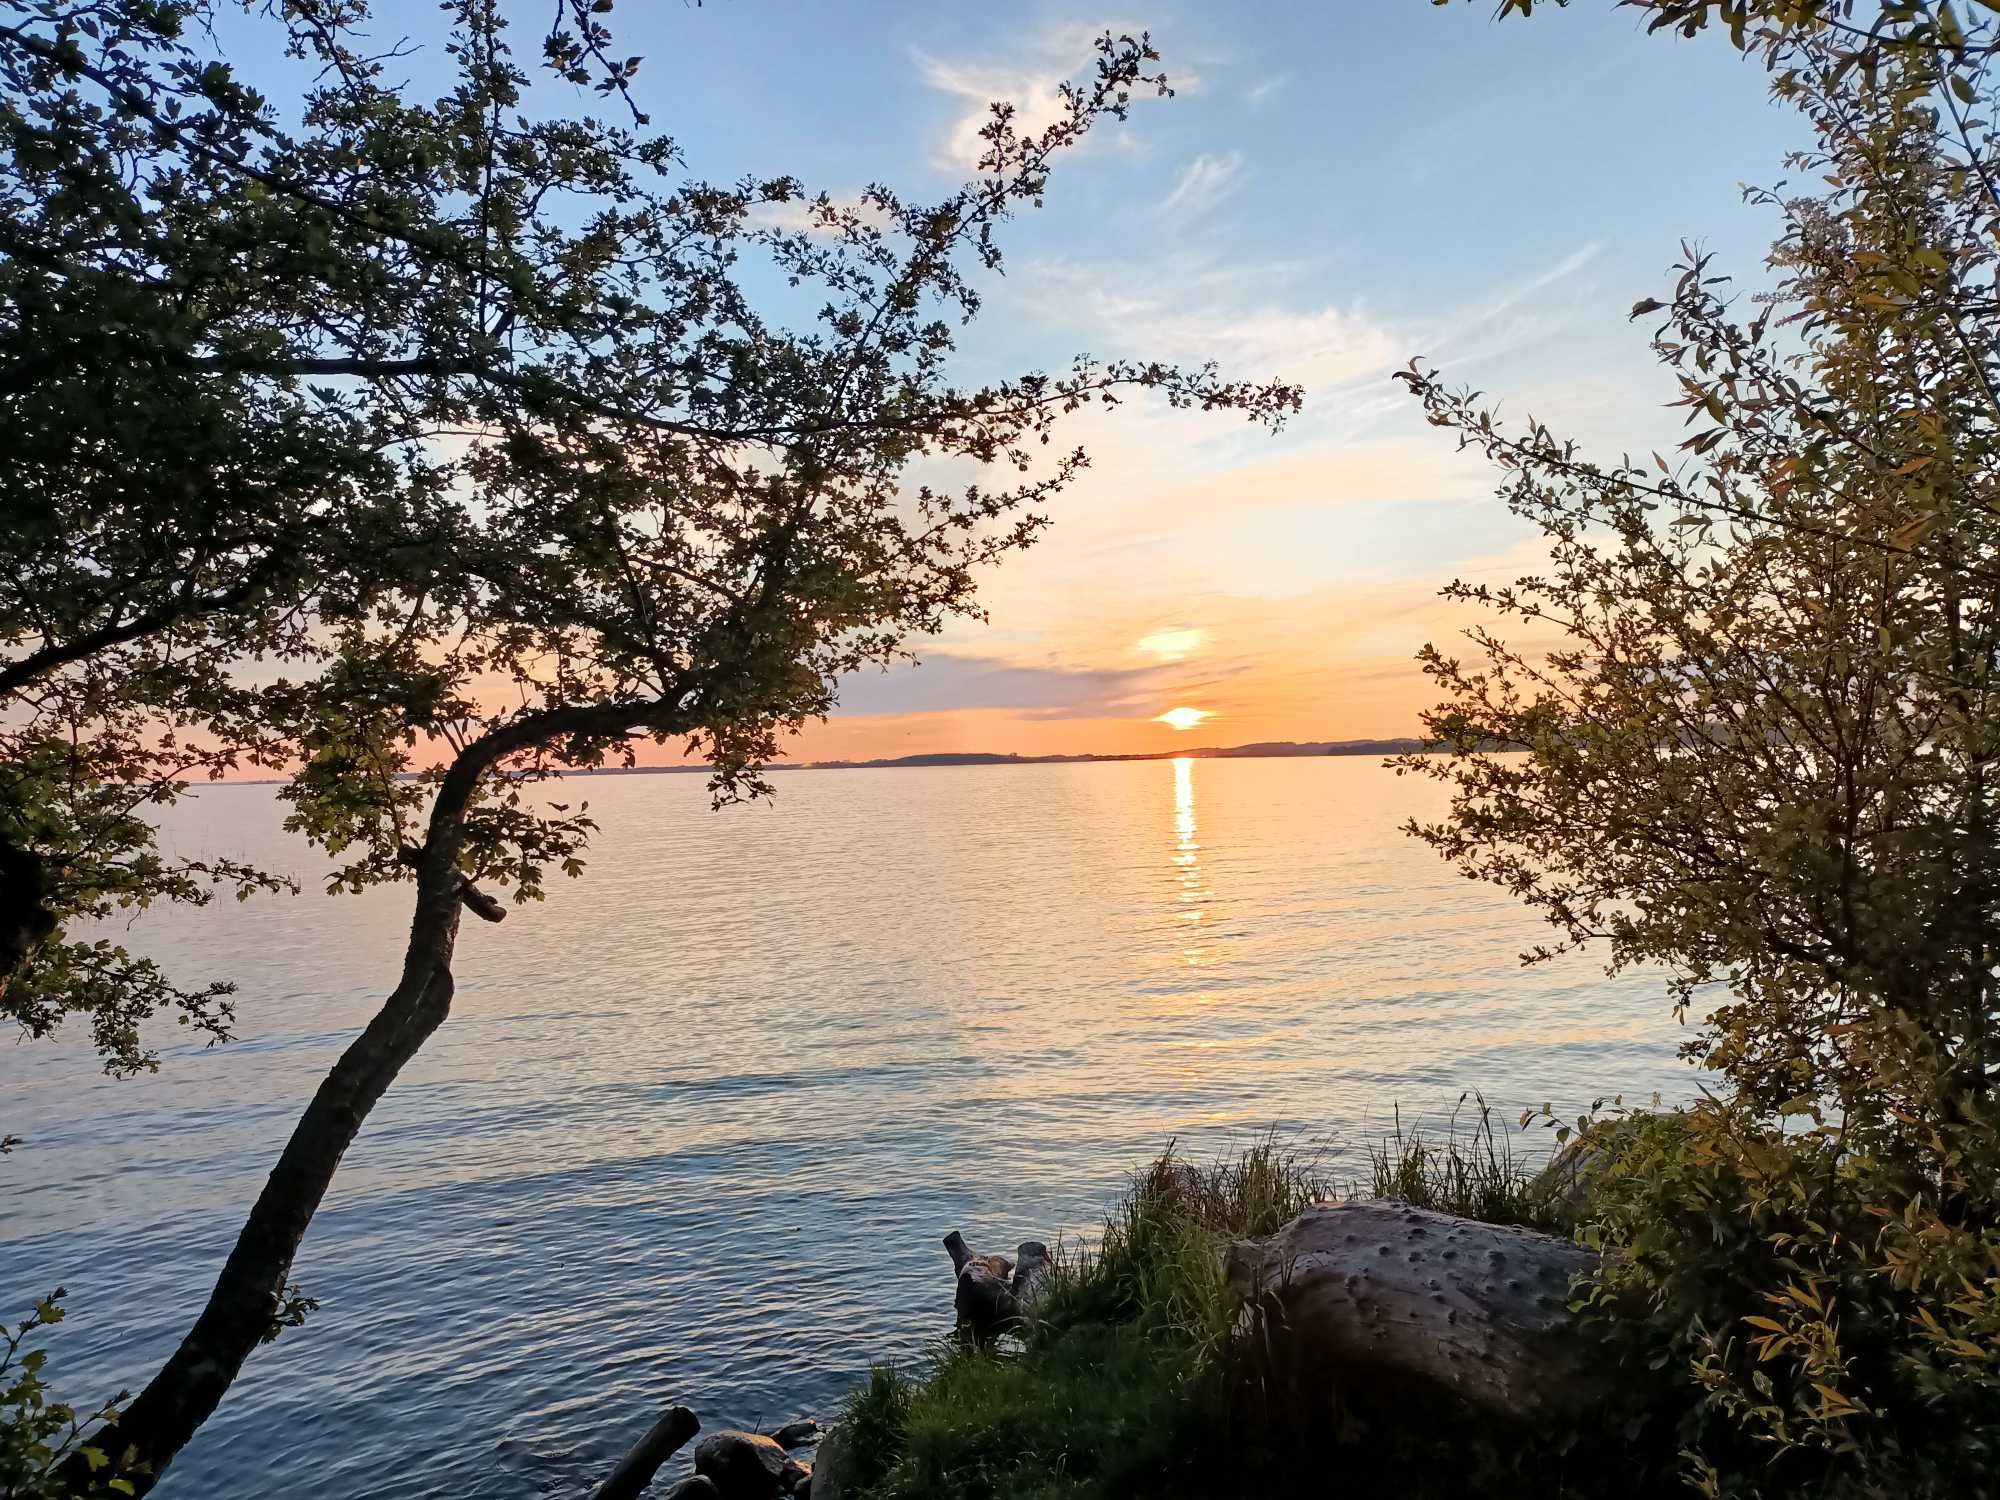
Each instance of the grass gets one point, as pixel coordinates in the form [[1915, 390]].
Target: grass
[[1469, 1169], [1122, 1379], [1138, 1372]]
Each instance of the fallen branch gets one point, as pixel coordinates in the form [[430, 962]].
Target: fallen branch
[[662, 1440]]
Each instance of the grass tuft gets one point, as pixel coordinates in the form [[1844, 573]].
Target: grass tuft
[[1470, 1169]]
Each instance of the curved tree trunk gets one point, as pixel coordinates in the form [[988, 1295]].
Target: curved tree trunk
[[243, 1307], [250, 1293]]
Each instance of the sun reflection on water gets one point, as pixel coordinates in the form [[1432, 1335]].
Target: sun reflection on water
[[1193, 892]]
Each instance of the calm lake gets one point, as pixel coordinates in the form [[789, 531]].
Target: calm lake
[[698, 1121]]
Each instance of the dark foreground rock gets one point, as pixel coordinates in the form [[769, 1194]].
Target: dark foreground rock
[[796, 1434], [1400, 1302], [828, 1464], [748, 1465]]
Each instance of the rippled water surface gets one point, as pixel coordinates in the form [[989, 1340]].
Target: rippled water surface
[[697, 1122]]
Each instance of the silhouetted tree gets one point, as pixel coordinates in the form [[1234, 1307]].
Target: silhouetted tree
[[425, 450]]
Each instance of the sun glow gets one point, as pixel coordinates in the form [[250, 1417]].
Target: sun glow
[[1172, 645], [1184, 718]]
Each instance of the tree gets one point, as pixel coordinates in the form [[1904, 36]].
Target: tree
[[177, 500], [513, 474], [1755, 733]]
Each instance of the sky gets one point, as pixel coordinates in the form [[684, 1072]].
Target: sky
[[1334, 190]]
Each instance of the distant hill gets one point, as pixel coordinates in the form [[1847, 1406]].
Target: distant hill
[[1263, 750]]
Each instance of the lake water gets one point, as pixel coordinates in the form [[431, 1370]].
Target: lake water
[[698, 1122]]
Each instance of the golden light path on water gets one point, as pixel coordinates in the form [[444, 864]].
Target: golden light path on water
[[1187, 853], [698, 1121]]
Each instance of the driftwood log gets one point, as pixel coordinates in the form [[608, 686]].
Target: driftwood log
[[1390, 1300], [993, 1290], [662, 1440]]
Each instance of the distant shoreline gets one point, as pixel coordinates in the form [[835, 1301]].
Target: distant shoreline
[[1263, 750]]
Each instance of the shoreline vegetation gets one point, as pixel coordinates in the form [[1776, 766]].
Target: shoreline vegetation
[[1249, 1327], [1474, 1320], [1185, 1352]]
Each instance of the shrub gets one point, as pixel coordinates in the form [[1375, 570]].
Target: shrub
[[1470, 1169], [37, 1434], [1836, 1303]]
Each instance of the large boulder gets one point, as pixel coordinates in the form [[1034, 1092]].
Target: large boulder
[[1395, 1302], [747, 1465], [828, 1466]]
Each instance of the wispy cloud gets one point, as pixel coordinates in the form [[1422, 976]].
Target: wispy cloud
[[1029, 80], [1264, 319], [1190, 311], [1203, 183], [794, 216], [1513, 316], [1266, 89], [1522, 291]]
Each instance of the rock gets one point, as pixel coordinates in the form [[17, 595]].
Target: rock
[[1402, 1303], [695, 1487], [827, 1464], [799, 1479], [984, 1296], [795, 1434], [745, 1465]]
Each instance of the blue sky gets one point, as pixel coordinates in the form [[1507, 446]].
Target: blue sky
[[1335, 189]]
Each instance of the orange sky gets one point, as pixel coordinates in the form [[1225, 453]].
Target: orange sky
[[1281, 586], [1326, 236]]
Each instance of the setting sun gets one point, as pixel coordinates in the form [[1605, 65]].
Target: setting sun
[[1185, 718]]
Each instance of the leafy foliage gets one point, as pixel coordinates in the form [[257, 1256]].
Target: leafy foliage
[[333, 429], [37, 1434], [1838, 1346], [424, 450]]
